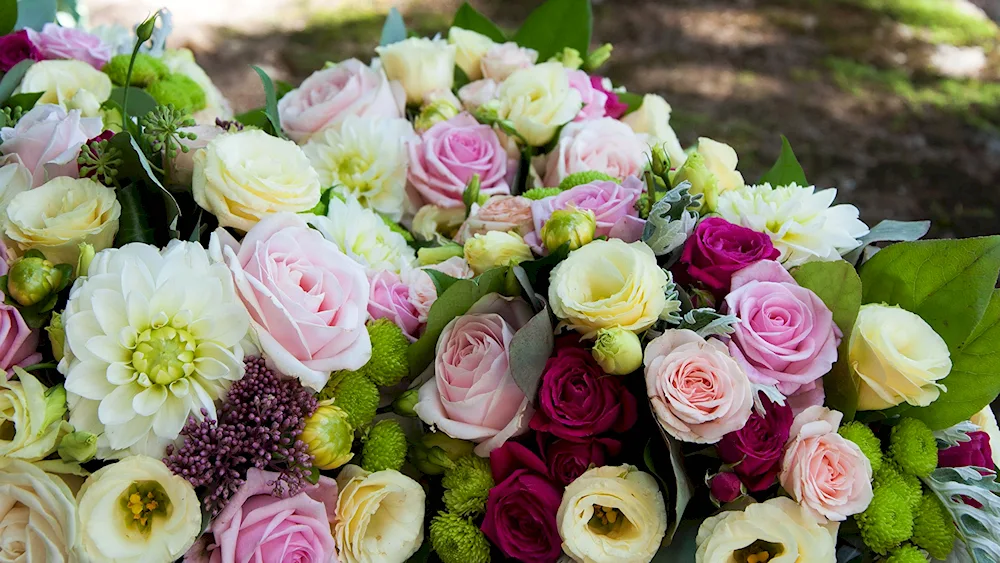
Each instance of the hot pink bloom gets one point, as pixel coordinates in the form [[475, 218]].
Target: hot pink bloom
[[594, 99]]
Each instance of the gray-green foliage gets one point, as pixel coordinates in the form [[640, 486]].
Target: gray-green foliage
[[979, 528]]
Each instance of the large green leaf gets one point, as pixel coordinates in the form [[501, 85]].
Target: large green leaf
[[557, 24], [24, 100], [530, 350], [133, 226], [139, 102], [394, 29], [271, 101], [469, 18], [12, 78], [786, 170], [136, 166], [8, 16], [33, 14]]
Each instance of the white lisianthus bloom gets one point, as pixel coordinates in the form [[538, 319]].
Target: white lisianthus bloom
[[151, 337], [652, 122], [137, 511], [380, 516], [422, 65], [69, 84], [365, 158], [802, 222], [538, 100], [35, 415], [364, 236], [38, 520]]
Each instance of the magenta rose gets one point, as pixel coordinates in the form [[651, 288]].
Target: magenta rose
[[57, 42], [449, 154], [613, 204], [786, 335], [613, 107], [16, 47], [974, 453], [568, 459], [521, 509], [725, 487], [328, 96], [47, 140], [577, 400], [594, 99], [389, 298], [603, 145], [717, 249], [757, 448], [473, 395], [256, 526]]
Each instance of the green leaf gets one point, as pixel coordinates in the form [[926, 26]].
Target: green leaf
[[12, 78], [442, 281], [133, 226], [530, 350], [25, 100], [139, 102], [135, 165], [469, 18], [281, 88], [33, 14], [683, 547], [8, 16], [255, 118], [680, 490], [557, 24], [889, 230], [786, 170], [633, 101], [271, 101], [394, 29], [461, 79]]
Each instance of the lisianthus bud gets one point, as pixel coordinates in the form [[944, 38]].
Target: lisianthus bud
[[661, 161], [57, 335], [432, 220], [145, 30], [617, 351], [725, 488], [329, 436], [31, 279], [78, 446], [436, 254], [488, 112], [86, 257], [437, 452], [598, 57], [495, 248], [435, 112], [403, 405], [573, 226], [569, 57]]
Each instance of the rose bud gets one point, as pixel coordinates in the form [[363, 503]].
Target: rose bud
[[617, 351], [725, 488], [573, 226]]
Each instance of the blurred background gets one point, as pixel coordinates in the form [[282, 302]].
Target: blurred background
[[894, 102]]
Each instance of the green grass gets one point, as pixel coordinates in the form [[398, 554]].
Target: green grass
[[944, 21]]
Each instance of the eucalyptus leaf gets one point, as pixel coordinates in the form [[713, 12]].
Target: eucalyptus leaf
[[527, 289], [34, 14], [786, 170], [889, 231], [270, 101], [671, 220], [955, 435], [12, 78], [469, 18], [8, 16], [394, 29], [681, 488], [557, 24], [529, 351]]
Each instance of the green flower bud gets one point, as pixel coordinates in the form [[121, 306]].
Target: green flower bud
[[435, 255], [471, 193], [32, 279], [78, 446], [495, 248], [488, 113], [385, 447], [437, 452], [434, 112], [467, 485], [913, 446], [569, 57], [573, 226], [661, 161], [329, 435], [145, 30], [57, 335], [86, 257], [617, 351], [404, 403], [598, 57], [355, 393], [146, 70]]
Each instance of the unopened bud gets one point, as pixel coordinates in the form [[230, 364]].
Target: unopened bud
[[430, 255], [569, 58], [78, 447], [329, 436], [725, 488], [661, 161], [495, 248], [403, 405], [57, 336], [617, 350], [145, 30], [86, 257], [433, 113], [432, 220], [569, 226], [436, 452], [32, 279], [471, 194], [598, 57]]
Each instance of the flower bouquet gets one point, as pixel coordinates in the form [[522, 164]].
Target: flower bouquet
[[465, 302]]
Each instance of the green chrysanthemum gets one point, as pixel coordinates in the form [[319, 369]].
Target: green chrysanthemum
[[581, 178], [906, 554], [384, 447], [888, 520], [467, 485], [389, 363], [179, 91], [458, 540], [906, 485], [541, 193], [933, 528], [356, 394], [913, 446], [863, 436], [146, 70]]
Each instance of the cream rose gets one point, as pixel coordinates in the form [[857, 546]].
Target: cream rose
[[898, 357], [380, 516], [420, 64], [612, 515], [608, 283], [538, 100], [469, 50], [495, 248], [70, 84], [652, 119], [59, 215], [779, 527], [241, 177], [36, 414], [136, 510], [38, 519]]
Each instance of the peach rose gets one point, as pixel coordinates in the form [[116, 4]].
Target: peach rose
[[500, 213], [423, 292], [698, 391], [605, 145], [477, 93], [825, 472]]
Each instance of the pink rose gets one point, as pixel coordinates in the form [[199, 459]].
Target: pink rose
[[57, 42], [698, 392], [389, 298], [449, 154], [500, 213], [605, 145], [477, 93], [423, 292], [473, 395], [258, 527], [500, 61], [47, 140], [328, 96], [593, 98], [786, 335], [826, 473], [308, 302], [613, 204]]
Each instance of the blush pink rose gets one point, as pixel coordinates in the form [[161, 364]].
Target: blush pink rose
[[449, 154], [258, 527], [328, 96], [500, 61], [473, 395], [47, 140], [698, 392], [605, 145], [308, 301], [389, 298], [500, 213], [826, 473], [478, 92], [423, 292], [594, 99], [613, 204], [786, 335], [57, 42]]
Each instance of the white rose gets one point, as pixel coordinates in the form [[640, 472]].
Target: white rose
[[70, 84], [59, 215], [538, 100], [469, 49], [181, 61], [612, 515], [35, 414], [38, 519], [652, 119], [500, 61], [420, 64], [241, 177], [136, 510], [380, 516]]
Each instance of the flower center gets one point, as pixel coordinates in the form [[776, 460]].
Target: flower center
[[164, 354], [141, 503], [759, 551], [609, 521]]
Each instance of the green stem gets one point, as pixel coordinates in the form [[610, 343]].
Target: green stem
[[45, 365], [128, 81]]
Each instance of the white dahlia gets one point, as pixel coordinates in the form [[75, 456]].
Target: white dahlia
[[365, 158], [801, 222], [151, 338], [364, 236]]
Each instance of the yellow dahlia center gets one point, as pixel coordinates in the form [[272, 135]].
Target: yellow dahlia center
[[143, 502], [164, 354]]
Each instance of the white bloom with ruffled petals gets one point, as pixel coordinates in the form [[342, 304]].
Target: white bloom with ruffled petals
[[363, 235], [151, 337]]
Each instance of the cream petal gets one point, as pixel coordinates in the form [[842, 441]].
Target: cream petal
[[89, 379], [116, 408], [122, 436], [120, 373], [147, 402], [171, 417], [108, 348], [109, 307], [210, 368]]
